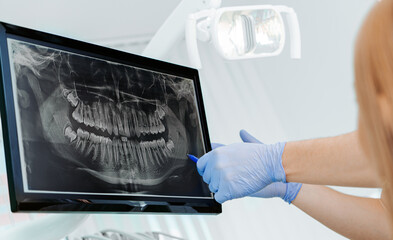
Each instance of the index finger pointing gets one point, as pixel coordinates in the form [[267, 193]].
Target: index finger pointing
[[202, 162]]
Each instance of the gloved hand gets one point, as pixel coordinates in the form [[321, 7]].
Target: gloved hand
[[286, 191], [241, 169]]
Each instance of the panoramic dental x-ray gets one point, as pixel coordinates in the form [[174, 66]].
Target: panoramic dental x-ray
[[103, 127]]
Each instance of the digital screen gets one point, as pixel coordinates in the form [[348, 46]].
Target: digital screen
[[88, 125]]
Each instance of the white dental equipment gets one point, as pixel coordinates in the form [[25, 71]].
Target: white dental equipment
[[242, 32], [236, 32]]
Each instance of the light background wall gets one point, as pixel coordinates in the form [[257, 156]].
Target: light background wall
[[276, 99]]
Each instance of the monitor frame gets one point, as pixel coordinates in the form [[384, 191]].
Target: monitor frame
[[32, 202]]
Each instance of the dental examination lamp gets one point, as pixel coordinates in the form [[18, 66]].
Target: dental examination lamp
[[236, 32], [242, 32]]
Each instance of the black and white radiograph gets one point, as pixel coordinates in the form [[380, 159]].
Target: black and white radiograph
[[90, 125]]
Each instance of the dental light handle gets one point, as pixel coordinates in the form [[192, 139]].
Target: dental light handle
[[191, 42], [191, 35], [54, 227], [294, 31]]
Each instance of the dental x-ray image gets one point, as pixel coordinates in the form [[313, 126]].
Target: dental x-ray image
[[95, 126]]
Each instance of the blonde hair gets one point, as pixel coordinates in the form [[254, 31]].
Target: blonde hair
[[374, 87]]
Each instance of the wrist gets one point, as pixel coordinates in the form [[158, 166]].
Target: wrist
[[291, 192], [288, 152], [278, 172]]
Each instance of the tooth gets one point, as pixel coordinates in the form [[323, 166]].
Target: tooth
[[95, 145], [101, 115], [161, 112], [115, 151], [148, 151], [96, 150], [143, 151], [77, 114], [90, 148], [84, 144], [103, 150], [70, 134], [133, 154], [152, 124], [132, 151], [140, 122], [161, 153], [90, 116], [96, 115], [78, 142], [143, 148], [156, 156], [82, 139], [125, 148], [108, 144], [94, 138], [169, 146], [131, 123], [118, 115], [80, 133], [161, 127], [124, 151], [126, 124], [136, 123], [108, 123], [157, 152], [114, 118], [157, 122], [86, 135], [139, 154], [85, 114], [162, 146], [121, 150], [128, 152], [73, 98], [120, 124], [87, 117]]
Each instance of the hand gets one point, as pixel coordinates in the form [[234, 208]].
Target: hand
[[241, 169], [286, 191]]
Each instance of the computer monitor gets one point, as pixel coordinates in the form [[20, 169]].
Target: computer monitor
[[89, 128]]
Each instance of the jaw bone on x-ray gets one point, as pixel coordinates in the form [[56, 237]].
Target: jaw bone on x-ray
[[95, 126]]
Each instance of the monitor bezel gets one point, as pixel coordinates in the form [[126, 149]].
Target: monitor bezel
[[29, 202]]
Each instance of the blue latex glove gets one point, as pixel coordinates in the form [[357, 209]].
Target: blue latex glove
[[286, 191], [241, 169]]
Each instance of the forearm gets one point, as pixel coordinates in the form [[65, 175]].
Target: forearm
[[353, 217], [329, 161]]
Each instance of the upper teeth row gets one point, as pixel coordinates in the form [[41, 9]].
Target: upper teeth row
[[127, 122], [120, 151]]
